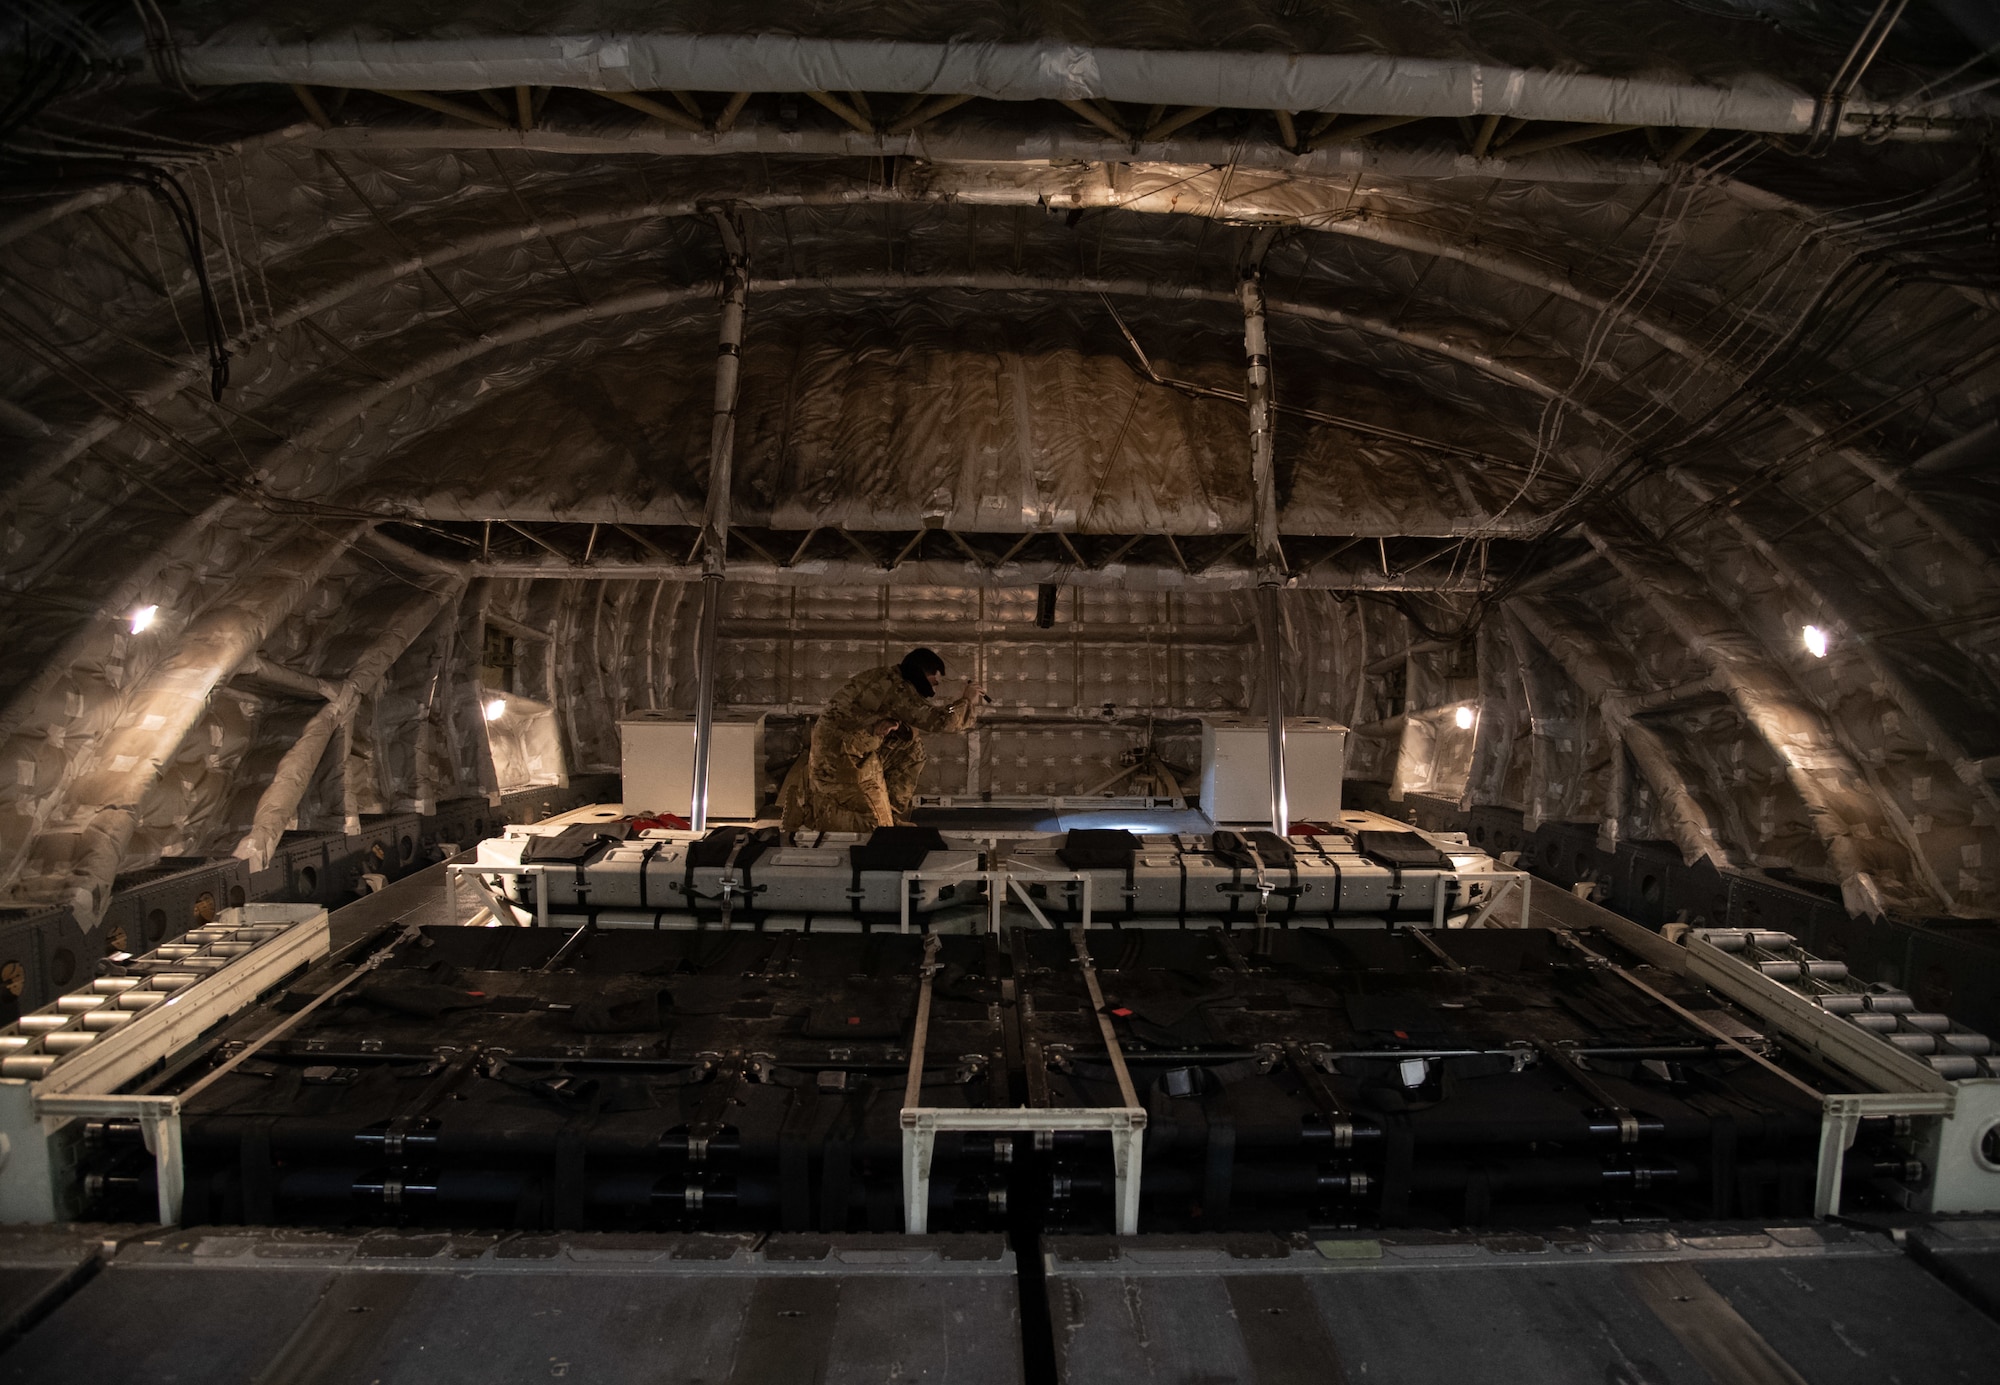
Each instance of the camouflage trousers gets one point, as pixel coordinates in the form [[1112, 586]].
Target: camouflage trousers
[[830, 789]]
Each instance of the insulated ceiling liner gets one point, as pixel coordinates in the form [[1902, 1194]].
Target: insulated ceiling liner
[[1606, 356]]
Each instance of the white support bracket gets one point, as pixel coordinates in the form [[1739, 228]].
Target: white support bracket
[[1508, 883], [921, 1124], [954, 877], [1841, 1122], [503, 910], [1017, 882], [159, 1122]]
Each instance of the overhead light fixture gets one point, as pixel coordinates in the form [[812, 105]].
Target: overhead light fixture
[[143, 618], [496, 709], [1463, 716], [1815, 639]]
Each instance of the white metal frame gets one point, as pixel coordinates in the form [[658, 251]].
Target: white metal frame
[[1079, 803], [921, 1125], [1507, 882], [82, 1085], [1840, 1121], [1126, 1124], [502, 908], [159, 1121], [1017, 879], [954, 877], [1907, 1087]]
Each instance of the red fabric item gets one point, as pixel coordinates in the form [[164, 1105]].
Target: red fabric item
[[1314, 829], [659, 822]]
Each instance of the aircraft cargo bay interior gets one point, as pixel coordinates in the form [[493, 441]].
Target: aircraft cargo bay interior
[[1282, 691]]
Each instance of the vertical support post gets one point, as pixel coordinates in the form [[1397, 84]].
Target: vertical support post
[[919, 1134], [1840, 1121], [1442, 894], [1269, 635], [1269, 554], [715, 524], [919, 1144], [160, 1128], [704, 697], [1128, 1144]]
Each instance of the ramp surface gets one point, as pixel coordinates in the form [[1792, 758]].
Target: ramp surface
[[316, 1309]]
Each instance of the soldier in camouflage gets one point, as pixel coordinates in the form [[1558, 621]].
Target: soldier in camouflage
[[867, 754]]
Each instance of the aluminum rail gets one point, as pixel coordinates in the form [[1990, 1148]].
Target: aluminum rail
[[1379, 84], [956, 572], [1268, 556], [715, 525], [168, 1000]]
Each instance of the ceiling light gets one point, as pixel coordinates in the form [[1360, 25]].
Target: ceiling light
[[496, 709], [143, 618], [1815, 639], [1463, 716]]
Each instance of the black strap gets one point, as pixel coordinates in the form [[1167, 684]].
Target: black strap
[[570, 1195], [795, 1160], [1264, 888], [1722, 1165], [723, 909], [687, 1077], [1399, 1151], [260, 1184], [836, 1179], [1128, 955], [1188, 1080], [1180, 859], [1218, 1178], [1478, 1197], [528, 1206], [645, 864], [837, 1157]]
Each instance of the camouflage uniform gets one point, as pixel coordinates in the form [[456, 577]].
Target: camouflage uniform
[[853, 780]]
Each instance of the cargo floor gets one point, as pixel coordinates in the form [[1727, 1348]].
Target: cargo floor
[[1732, 1305]]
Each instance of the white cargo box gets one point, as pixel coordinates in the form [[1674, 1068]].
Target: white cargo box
[[1236, 769], [659, 764]]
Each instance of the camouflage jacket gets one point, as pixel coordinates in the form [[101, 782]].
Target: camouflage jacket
[[880, 694]]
